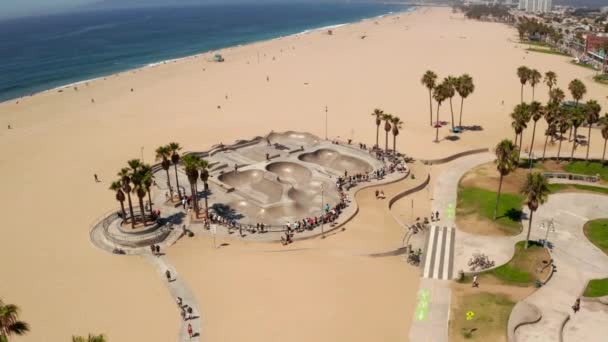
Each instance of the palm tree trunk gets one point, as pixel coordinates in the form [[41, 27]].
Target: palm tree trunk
[[461, 105], [122, 209], [570, 135], [394, 145], [452, 112], [559, 149], [573, 146], [532, 93], [522, 93], [437, 124], [143, 210], [529, 229], [545, 148], [377, 135], [533, 136], [386, 142], [604, 153], [498, 197], [169, 184], [131, 210], [195, 198], [179, 194], [521, 138], [149, 198], [431, 106], [588, 144], [206, 203]]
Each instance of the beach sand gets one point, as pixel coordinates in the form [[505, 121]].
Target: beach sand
[[326, 291]]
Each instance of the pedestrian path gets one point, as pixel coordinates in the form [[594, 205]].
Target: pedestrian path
[[439, 253]]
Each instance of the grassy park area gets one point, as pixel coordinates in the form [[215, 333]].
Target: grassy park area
[[488, 321], [584, 168], [597, 232], [555, 188], [549, 51], [480, 203], [523, 269], [597, 288]]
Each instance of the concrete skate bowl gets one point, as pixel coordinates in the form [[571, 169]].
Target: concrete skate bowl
[[336, 161], [256, 183], [293, 138], [293, 173]]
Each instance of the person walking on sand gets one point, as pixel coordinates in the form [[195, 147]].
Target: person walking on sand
[[475, 282], [437, 215], [96, 178], [168, 275], [190, 330]]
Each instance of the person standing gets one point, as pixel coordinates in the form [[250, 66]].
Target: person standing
[[190, 330], [168, 275]]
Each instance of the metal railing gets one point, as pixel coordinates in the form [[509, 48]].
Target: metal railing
[[572, 176]]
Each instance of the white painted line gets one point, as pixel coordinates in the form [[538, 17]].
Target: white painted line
[[575, 215], [438, 260], [429, 250], [446, 256]]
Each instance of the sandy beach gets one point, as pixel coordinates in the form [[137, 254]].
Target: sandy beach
[[321, 290]]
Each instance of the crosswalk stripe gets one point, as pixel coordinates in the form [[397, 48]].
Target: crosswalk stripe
[[447, 254], [429, 248], [438, 259]]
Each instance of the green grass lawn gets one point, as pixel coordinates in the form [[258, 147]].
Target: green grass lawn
[[531, 43], [591, 168], [480, 202], [597, 288], [603, 79], [549, 51], [597, 232], [489, 320], [583, 65], [554, 188], [521, 269]]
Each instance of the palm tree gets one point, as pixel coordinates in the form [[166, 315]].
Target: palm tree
[[429, 80], [464, 87], [148, 180], [139, 189], [120, 196], [536, 112], [125, 176], [603, 122], [577, 89], [387, 128], [534, 78], [524, 75], [378, 115], [506, 161], [90, 338], [536, 191], [556, 96], [175, 148], [163, 153], [397, 124], [204, 165], [592, 111], [577, 118], [520, 118], [563, 124], [192, 164], [550, 79], [10, 323], [550, 132], [450, 91], [439, 94]]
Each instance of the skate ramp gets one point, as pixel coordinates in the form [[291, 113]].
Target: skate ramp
[[293, 138], [256, 183], [336, 161]]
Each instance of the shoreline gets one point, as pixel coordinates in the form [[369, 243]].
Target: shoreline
[[410, 9]]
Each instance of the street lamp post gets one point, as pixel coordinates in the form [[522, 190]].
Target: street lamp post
[[325, 122], [322, 210], [550, 227]]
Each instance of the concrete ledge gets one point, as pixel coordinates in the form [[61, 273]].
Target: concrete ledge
[[454, 156], [561, 328], [523, 313]]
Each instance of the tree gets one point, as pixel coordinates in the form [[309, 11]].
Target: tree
[[378, 115], [550, 79], [556, 96], [139, 186], [534, 78], [120, 196], [387, 128], [439, 94], [125, 176], [520, 117], [577, 89], [10, 323], [429, 80], [163, 153], [577, 118], [192, 164], [464, 87], [536, 191], [397, 124], [603, 122], [592, 111], [148, 181], [175, 148], [549, 132], [90, 338], [536, 112], [506, 156], [563, 124], [204, 166], [524, 75], [450, 91]]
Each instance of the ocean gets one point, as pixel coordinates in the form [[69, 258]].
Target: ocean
[[41, 53]]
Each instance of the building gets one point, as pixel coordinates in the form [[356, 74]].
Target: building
[[536, 6], [596, 49]]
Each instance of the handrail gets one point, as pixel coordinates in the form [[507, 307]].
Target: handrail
[[572, 176]]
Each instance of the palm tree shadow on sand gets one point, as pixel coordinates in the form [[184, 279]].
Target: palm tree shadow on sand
[[226, 211], [514, 215]]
